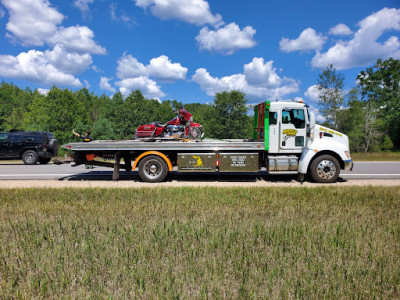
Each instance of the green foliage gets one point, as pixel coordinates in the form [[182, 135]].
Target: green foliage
[[380, 86], [103, 129], [228, 116], [331, 95]]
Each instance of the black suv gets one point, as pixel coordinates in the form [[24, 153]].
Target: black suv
[[31, 146]]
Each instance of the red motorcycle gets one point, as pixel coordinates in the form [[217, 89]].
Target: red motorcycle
[[179, 127]]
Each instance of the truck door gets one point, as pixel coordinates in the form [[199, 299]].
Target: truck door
[[293, 129], [3, 145]]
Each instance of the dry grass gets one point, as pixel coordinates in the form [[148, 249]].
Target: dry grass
[[200, 243]]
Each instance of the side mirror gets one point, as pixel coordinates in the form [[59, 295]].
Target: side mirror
[[312, 120]]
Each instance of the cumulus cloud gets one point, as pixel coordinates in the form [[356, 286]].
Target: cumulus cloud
[[309, 39], [340, 29], [135, 75], [191, 11], [31, 22], [254, 88], [2, 13], [364, 48], [37, 23], [43, 91], [129, 67], [261, 74], [68, 62], [105, 84], [227, 39], [161, 68], [77, 38], [148, 87], [34, 66], [83, 5], [312, 93]]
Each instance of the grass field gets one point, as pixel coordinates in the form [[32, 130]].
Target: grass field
[[201, 243], [376, 156]]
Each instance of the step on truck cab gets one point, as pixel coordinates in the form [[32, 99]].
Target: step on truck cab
[[285, 140]]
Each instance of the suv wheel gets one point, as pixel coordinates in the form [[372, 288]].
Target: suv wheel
[[30, 157]]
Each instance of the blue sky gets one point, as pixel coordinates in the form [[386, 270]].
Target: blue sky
[[190, 49]]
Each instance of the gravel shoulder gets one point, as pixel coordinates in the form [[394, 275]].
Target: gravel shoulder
[[11, 184]]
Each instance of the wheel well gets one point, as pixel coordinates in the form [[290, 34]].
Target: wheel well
[[327, 152], [161, 155]]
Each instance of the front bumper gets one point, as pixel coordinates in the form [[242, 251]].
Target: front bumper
[[348, 165]]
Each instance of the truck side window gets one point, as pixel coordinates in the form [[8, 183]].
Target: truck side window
[[273, 116], [294, 116], [3, 137]]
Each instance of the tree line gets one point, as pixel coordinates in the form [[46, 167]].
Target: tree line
[[369, 114], [61, 110]]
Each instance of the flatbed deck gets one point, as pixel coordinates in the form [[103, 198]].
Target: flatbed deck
[[166, 144]]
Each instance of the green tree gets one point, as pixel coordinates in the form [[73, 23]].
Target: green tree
[[228, 117], [380, 86], [59, 112], [331, 96]]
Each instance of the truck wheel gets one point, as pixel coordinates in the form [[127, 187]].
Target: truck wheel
[[325, 169], [153, 168], [30, 157], [44, 161]]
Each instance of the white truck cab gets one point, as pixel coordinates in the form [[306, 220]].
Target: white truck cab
[[292, 131]]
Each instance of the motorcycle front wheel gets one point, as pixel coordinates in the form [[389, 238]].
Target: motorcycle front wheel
[[195, 133]]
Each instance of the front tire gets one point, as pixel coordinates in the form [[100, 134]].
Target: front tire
[[153, 168], [325, 169], [195, 133], [30, 157]]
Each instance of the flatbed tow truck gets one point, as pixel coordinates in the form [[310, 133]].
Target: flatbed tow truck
[[285, 140]]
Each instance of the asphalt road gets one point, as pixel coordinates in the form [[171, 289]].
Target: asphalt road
[[18, 171]]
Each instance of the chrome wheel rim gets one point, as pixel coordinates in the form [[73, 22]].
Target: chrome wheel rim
[[153, 168], [326, 169], [30, 158]]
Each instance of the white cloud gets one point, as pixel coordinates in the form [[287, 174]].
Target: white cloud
[[162, 69], [77, 38], [260, 74], [226, 39], [83, 5], [43, 91], [256, 88], [105, 85], [34, 66], [68, 62], [32, 22], [2, 12], [340, 29], [312, 93], [36, 23], [364, 49], [148, 87], [191, 11], [129, 67], [309, 39]]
